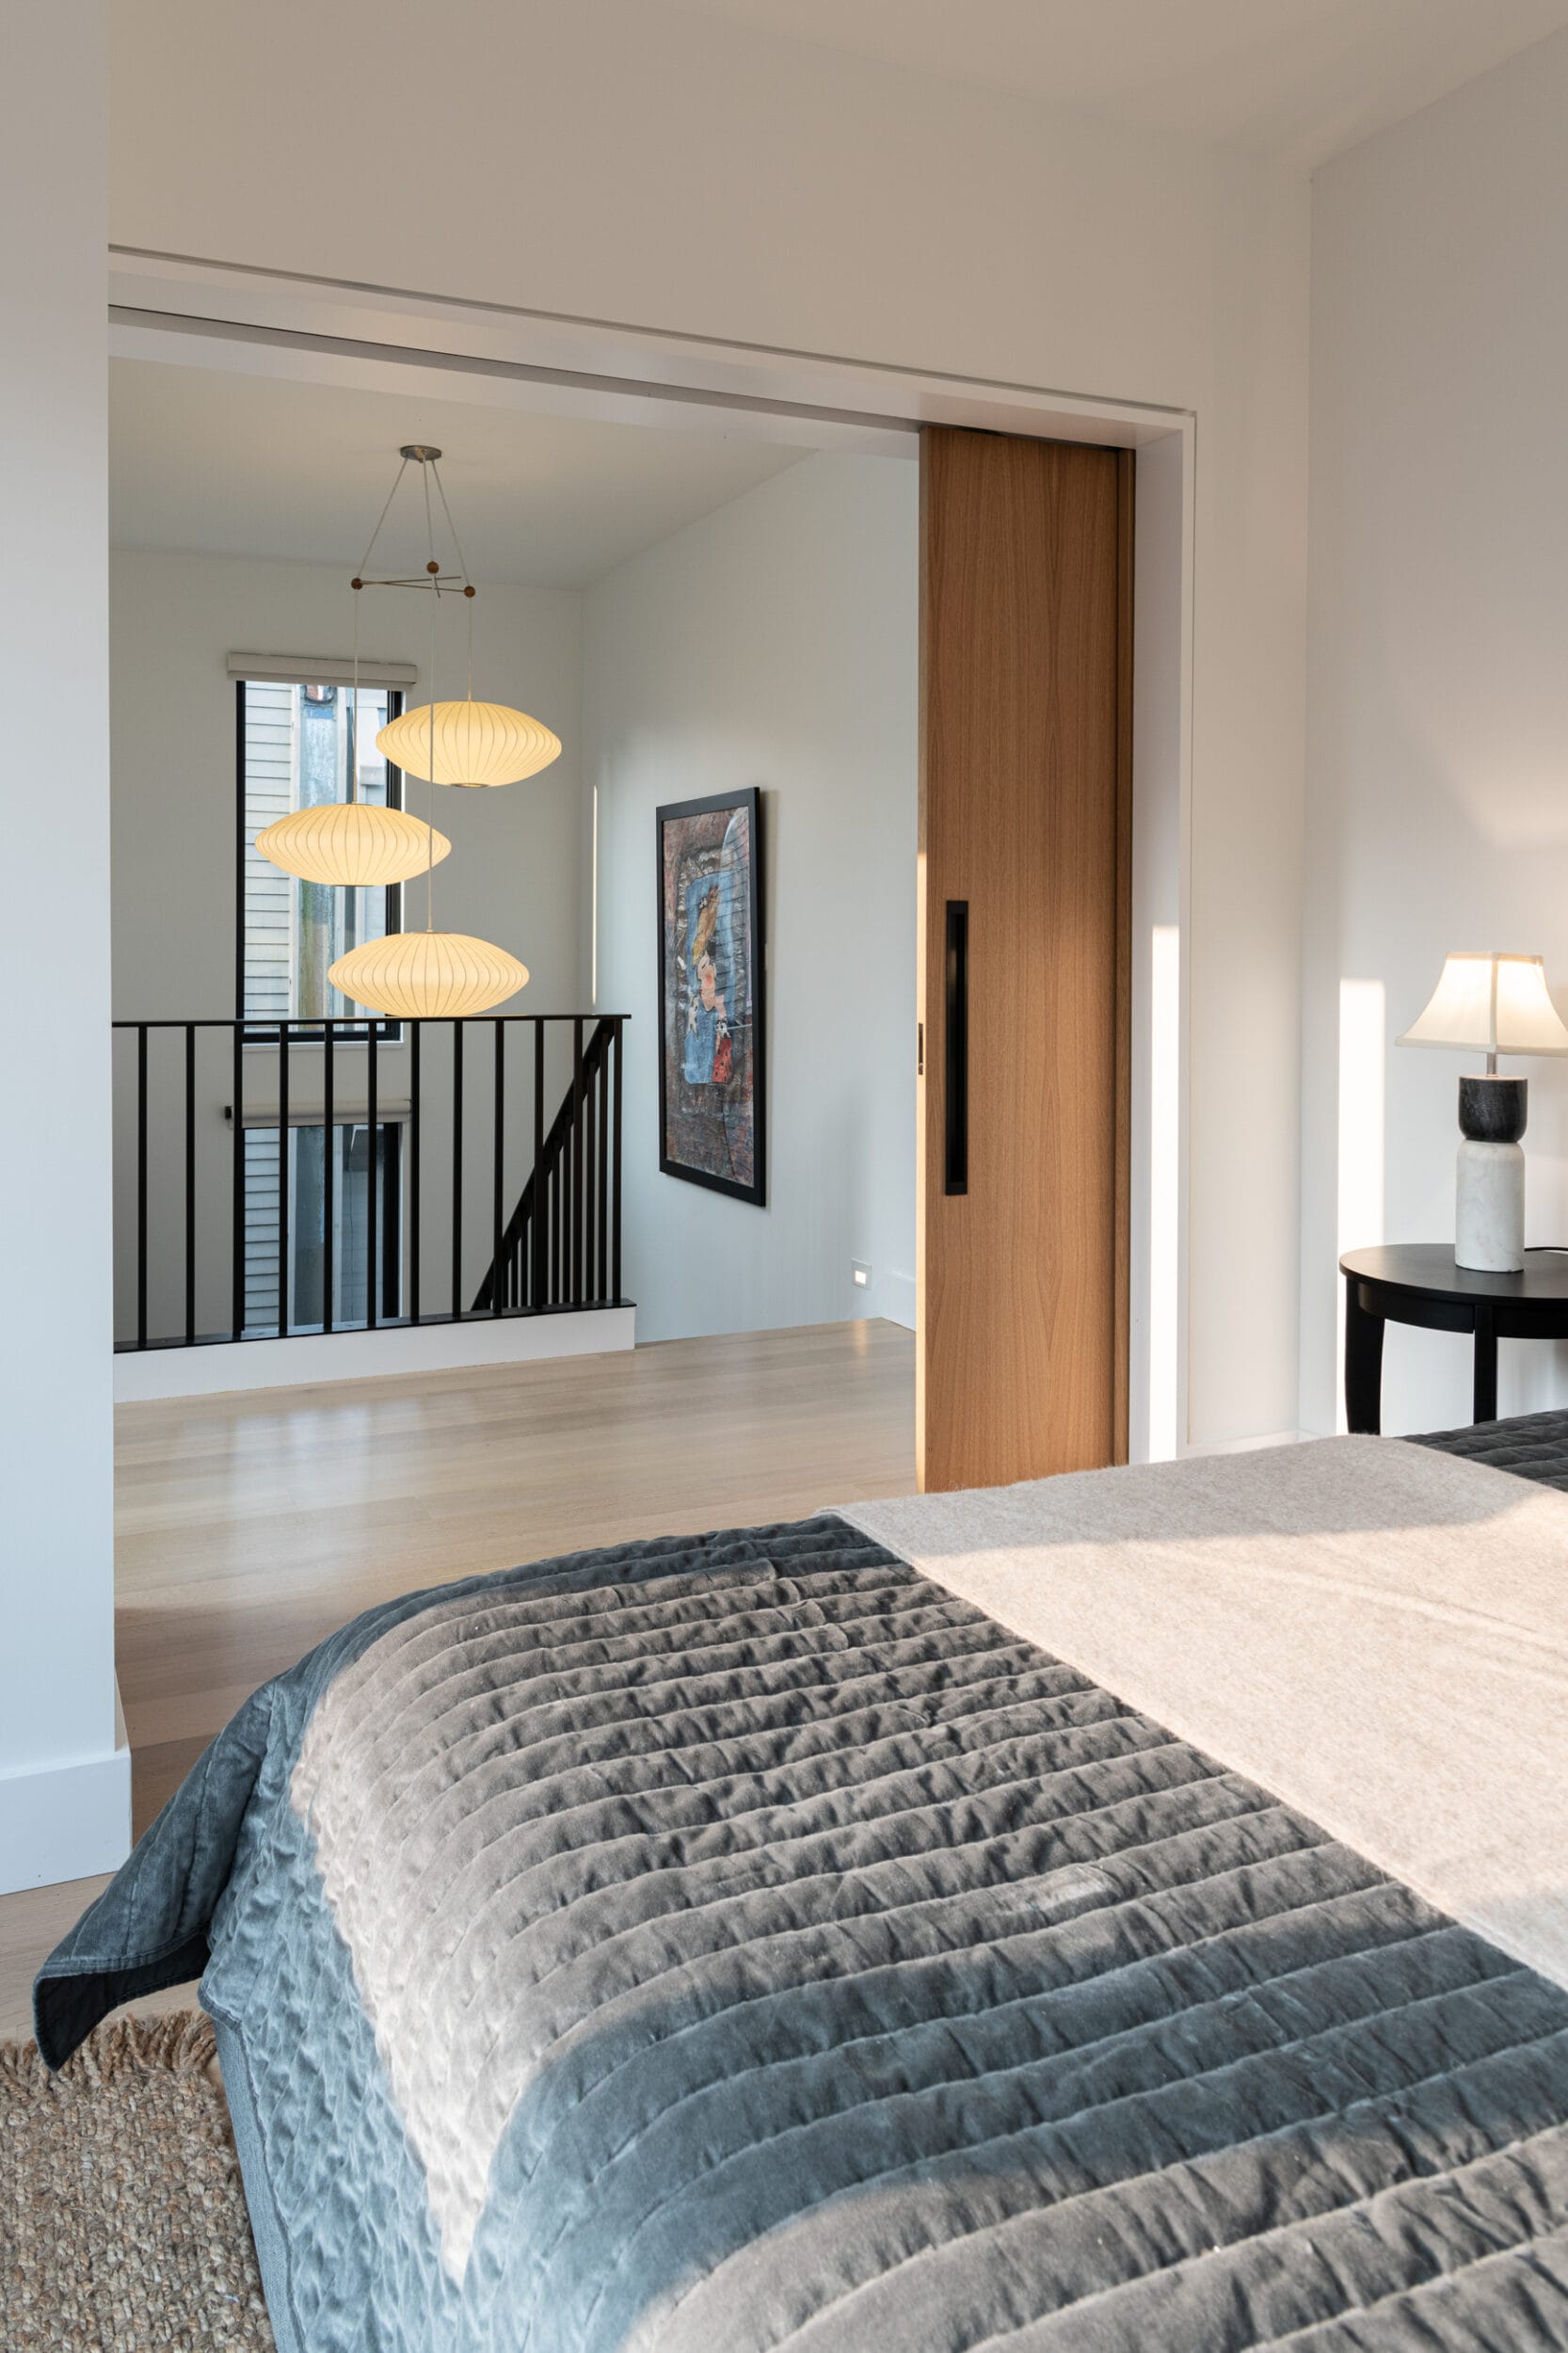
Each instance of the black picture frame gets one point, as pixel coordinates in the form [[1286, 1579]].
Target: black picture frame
[[694, 1134]]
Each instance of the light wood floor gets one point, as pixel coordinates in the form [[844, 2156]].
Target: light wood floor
[[250, 1527]]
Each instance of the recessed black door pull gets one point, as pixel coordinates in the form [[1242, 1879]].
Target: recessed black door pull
[[956, 1091]]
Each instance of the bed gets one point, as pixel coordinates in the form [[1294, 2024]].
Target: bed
[[718, 1945]]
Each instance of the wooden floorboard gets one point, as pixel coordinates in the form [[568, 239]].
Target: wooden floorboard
[[250, 1527]]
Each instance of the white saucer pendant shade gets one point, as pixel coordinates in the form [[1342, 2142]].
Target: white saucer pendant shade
[[354, 846], [431, 976], [474, 743]]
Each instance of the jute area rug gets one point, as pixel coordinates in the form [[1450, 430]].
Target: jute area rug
[[123, 2222]]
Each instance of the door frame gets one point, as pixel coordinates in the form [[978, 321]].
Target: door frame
[[195, 310]]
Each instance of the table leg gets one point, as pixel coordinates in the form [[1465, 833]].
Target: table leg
[[1485, 1399], [1363, 1365]]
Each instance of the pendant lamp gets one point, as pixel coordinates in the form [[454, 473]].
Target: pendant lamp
[[432, 975], [352, 843], [472, 744], [427, 975]]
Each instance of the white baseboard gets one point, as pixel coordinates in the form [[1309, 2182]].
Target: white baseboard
[[320, 1357], [894, 1295], [65, 1821]]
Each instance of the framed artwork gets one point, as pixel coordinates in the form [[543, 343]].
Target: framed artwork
[[711, 1036]]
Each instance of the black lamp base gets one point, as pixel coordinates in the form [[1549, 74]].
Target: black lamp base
[[1493, 1110]]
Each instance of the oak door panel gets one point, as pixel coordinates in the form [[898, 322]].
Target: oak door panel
[[1026, 556]]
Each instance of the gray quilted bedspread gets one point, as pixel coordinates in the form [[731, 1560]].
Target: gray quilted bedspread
[[720, 1945], [1534, 1446]]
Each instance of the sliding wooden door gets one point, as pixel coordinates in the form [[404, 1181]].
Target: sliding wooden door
[[1025, 868]]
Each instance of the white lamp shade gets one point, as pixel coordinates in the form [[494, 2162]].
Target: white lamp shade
[[474, 743], [418, 976], [352, 846], [1492, 1005]]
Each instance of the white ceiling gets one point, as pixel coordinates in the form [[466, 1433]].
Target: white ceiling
[[219, 463], [1298, 79]]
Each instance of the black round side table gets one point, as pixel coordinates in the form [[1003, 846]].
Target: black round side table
[[1419, 1283]]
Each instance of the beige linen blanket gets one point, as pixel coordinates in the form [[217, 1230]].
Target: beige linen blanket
[[1375, 1632]]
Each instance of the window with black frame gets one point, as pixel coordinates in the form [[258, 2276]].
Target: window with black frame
[[294, 740], [294, 753]]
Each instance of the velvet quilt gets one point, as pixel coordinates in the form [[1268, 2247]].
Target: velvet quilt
[[728, 1944]]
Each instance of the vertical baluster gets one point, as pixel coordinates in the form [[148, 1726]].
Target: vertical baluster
[[417, 1031], [616, 1041], [141, 1184], [602, 1191], [283, 1179], [328, 1171], [237, 1243], [538, 1231], [555, 1231], [577, 1161], [457, 1168], [589, 1154], [190, 1184], [499, 1220], [373, 1171], [587, 1186]]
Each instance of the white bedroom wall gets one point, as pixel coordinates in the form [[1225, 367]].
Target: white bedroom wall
[[1438, 722], [64, 1786], [774, 644], [686, 174], [512, 877]]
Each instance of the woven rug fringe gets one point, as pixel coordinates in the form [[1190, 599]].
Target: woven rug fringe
[[179, 2042]]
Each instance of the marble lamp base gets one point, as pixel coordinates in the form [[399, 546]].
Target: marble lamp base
[[1489, 1190]]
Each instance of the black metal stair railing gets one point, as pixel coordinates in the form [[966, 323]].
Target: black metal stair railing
[[572, 1193], [353, 1154]]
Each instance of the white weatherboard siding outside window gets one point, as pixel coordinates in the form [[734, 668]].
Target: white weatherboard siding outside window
[[271, 779]]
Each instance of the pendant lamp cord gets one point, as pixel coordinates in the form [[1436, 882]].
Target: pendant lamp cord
[[364, 560], [434, 607], [358, 583], [441, 493], [353, 714], [462, 574]]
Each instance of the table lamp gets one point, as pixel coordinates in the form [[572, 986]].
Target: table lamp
[[1491, 1005]]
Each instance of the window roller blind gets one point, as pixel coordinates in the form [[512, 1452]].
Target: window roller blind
[[304, 669]]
